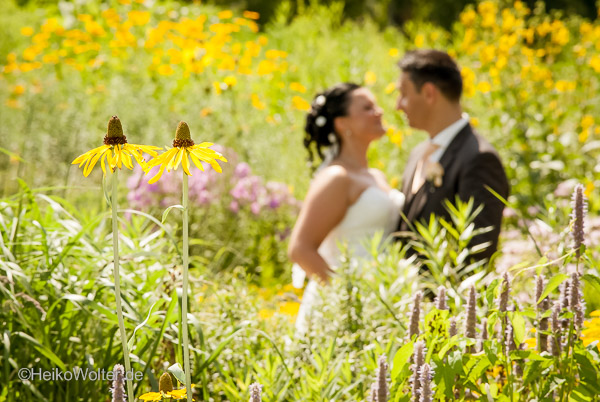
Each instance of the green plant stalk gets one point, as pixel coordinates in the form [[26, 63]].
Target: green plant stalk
[[186, 351], [115, 229]]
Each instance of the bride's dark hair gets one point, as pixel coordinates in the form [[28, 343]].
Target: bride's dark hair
[[325, 107]]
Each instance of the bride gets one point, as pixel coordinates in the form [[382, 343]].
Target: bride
[[347, 201]]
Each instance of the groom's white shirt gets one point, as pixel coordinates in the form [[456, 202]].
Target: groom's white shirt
[[445, 137]]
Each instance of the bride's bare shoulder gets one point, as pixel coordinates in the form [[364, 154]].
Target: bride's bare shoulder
[[332, 175]]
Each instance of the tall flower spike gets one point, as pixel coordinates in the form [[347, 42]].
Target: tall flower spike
[[574, 290], [373, 392], [255, 392], [542, 306], [382, 390], [510, 339], [554, 341], [414, 317], [504, 293], [426, 383], [183, 150], [484, 334], [418, 360], [452, 331], [118, 388], [115, 152], [471, 324], [579, 205], [441, 299]]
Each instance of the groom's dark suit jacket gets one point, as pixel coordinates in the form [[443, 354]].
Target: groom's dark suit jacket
[[470, 163]]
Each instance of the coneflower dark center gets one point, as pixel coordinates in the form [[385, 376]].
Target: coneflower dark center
[[183, 142], [108, 140]]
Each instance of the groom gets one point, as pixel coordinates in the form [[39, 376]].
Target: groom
[[454, 161]]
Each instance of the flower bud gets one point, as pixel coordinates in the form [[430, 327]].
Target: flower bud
[[118, 388], [470, 331], [165, 383], [414, 317], [441, 299]]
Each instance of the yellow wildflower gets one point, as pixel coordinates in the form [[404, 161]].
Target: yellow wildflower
[[251, 15], [296, 86], [393, 52], [300, 104], [116, 151], [370, 78], [225, 14], [27, 31], [183, 145], [138, 18], [256, 102]]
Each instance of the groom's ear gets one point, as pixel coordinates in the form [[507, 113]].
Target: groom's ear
[[430, 92]]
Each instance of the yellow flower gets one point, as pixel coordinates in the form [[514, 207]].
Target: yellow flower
[[419, 40], [389, 88], [116, 151], [225, 14], [151, 396], [296, 86], [138, 17], [370, 78], [251, 15], [183, 145], [393, 52], [591, 333], [27, 31], [300, 104], [18, 90], [256, 102]]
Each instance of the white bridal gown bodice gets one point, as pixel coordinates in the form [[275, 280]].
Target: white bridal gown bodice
[[374, 210]]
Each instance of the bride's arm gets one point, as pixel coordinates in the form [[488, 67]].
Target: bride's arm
[[324, 207]]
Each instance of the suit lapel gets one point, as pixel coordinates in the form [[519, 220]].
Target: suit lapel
[[411, 167], [416, 203]]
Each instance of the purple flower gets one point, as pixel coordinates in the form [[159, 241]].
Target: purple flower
[[242, 170]]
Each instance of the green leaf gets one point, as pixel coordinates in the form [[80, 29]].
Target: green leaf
[[518, 324], [164, 216], [401, 358], [45, 351], [177, 371], [552, 284], [592, 280], [140, 325]]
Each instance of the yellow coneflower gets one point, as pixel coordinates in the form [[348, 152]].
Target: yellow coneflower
[[115, 151], [165, 390], [183, 145]]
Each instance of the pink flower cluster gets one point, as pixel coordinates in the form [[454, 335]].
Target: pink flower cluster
[[237, 186]]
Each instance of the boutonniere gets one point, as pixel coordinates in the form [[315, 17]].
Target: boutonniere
[[434, 173]]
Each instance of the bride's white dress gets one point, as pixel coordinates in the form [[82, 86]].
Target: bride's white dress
[[374, 210]]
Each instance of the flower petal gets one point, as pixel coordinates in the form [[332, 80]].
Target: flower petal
[[185, 163]]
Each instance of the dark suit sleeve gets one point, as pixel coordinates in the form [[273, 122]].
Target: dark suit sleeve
[[485, 169]]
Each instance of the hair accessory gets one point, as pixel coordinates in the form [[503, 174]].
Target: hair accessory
[[321, 120], [320, 100], [332, 138]]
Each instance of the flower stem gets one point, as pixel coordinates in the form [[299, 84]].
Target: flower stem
[[115, 229], [186, 352]]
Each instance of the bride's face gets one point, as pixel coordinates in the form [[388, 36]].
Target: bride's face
[[363, 117]]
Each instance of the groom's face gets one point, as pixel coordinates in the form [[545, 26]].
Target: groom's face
[[412, 102]]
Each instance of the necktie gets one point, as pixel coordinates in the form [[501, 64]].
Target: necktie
[[419, 177]]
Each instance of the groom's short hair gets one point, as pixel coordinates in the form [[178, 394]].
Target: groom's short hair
[[435, 66]]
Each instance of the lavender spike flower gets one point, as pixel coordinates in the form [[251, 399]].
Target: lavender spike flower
[[418, 360], [426, 386], [374, 392], [579, 206], [452, 331], [510, 339], [414, 317], [574, 290], [255, 392], [118, 388], [382, 390], [441, 299], [578, 311], [503, 299], [484, 334], [471, 314]]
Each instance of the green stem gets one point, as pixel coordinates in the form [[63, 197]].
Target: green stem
[[186, 352], [115, 229]]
